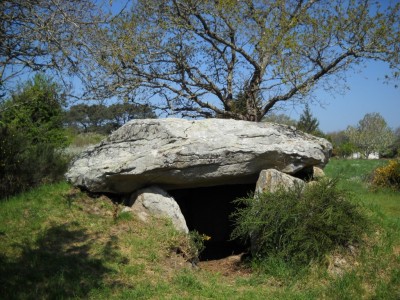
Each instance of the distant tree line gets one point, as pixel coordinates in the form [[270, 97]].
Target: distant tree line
[[370, 135], [104, 119]]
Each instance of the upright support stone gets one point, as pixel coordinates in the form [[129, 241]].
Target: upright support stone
[[318, 173], [271, 180], [155, 201]]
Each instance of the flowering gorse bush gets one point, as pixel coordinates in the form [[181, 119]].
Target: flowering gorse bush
[[387, 176]]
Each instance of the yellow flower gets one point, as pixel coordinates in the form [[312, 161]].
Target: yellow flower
[[205, 237]]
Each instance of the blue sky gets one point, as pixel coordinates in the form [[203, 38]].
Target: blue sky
[[367, 93]]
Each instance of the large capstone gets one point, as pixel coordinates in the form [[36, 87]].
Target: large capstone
[[178, 153]]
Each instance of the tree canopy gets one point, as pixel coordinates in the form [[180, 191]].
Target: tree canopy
[[307, 122], [192, 57], [103, 119], [372, 134], [46, 35]]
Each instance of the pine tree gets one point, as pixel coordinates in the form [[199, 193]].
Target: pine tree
[[308, 123]]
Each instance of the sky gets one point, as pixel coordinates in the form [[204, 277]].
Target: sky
[[367, 93]]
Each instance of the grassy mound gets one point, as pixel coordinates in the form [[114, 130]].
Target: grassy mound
[[57, 243]]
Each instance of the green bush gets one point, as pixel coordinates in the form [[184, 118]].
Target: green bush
[[345, 150], [35, 109], [31, 136], [24, 164], [299, 226], [387, 176]]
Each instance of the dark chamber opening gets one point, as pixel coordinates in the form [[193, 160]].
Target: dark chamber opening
[[208, 210]]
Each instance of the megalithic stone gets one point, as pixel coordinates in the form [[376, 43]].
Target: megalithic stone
[[179, 153]]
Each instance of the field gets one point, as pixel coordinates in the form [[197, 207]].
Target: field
[[58, 243]]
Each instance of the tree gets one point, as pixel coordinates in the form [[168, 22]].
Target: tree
[[279, 119], [372, 134], [104, 119], [307, 122], [45, 35], [35, 109], [121, 113], [394, 149], [89, 117], [77, 117], [192, 57], [31, 135], [341, 144], [396, 145]]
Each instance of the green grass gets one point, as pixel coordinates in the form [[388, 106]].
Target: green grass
[[57, 243], [354, 175], [86, 139], [352, 169]]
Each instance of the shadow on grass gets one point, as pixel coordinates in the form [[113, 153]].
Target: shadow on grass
[[58, 266]]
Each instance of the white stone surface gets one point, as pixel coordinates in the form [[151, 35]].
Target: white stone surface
[[155, 201], [272, 180], [178, 153]]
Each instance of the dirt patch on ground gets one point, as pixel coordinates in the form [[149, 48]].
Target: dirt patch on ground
[[396, 250], [231, 266]]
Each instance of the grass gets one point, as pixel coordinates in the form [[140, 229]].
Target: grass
[[354, 177], [86, 139], [57, 243], [80, 142]]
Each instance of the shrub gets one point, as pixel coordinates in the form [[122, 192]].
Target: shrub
[[35, 109], [24, 164], [299, 226], [189, 245], [31, 136], [345, 150], [387, 176]]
